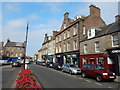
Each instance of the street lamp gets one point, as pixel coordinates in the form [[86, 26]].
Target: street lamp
[[25, 45]]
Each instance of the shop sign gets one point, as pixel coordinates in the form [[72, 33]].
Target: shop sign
[[74, 55], [115, 51], [68, 56]]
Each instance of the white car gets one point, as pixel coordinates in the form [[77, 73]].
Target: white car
[[70, 68]]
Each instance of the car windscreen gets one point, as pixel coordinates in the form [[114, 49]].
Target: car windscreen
[[99, 67], [72, 66]]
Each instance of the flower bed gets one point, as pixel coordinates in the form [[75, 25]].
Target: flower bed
[[26, 80]]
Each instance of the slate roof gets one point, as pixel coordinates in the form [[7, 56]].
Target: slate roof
[[15, 44], [114, 27]]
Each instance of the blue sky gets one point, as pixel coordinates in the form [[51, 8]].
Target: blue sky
[[44, 17]]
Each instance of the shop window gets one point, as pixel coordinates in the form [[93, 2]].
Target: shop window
[[84, 60], [115, 40], [100, 61], [92, 61]]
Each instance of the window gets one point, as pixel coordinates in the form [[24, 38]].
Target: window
[[64, 47], [115, 40], [68, 33], [74, 44], [56, 39], [90, 33], [74, 30], [60, 38], [68, 46], [64, 35], [85, 48], [60, 48], [56, 49], [97, 47], [83, 29], [64, 25]]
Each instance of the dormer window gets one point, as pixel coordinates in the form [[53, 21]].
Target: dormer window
[[91, 33], [64, 25]]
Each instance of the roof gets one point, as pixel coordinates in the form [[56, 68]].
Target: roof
[[108, 29], [111, 28], [14, 44]]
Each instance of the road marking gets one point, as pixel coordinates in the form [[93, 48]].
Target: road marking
[[98, 84], [88, 80], [109, 87]]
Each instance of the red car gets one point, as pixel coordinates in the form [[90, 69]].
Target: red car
[[97, 72], [43, 63], [57, 66]]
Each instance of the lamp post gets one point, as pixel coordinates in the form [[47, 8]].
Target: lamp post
[[25, 45]]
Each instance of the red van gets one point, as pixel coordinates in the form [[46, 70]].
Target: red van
[[97, 72]]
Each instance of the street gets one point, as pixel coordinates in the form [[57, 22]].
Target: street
[[50, 78], [9, 75]]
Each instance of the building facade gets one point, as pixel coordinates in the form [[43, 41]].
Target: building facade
[[72, 31], [13, 50], [102, 46], [1, 50], [47, 52]]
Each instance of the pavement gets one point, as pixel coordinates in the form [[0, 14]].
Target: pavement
[[117, 79]]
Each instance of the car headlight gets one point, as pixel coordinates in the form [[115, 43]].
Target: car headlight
[[113, 73], [105, 73], [74, 70]]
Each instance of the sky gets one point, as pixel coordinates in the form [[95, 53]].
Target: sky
[[44, 17]]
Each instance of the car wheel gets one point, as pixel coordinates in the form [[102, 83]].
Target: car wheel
[[99, 78], [70, 72], [84, 75]]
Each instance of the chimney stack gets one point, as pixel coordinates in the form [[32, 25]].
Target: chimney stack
[[66, 15], [117, 18], [94, 11]]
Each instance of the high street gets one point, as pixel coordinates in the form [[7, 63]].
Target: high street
[[9, 75], [50, 78]]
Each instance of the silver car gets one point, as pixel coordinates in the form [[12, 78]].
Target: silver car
[[70, 68]]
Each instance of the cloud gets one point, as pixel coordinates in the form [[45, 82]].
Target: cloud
[[15, 30], [12, 6]]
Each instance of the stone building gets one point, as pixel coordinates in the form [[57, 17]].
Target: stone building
[[1, 50], [14, 50], [48, 48], [72, 31], [102, 46]]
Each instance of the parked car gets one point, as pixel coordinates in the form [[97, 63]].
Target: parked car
[[97, 72], [16, 64], [70, 68], [5, 62], [49, 64], [43, 63], [57, 66], [38, 62]]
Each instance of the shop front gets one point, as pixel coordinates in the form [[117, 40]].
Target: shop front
[[114, 56], [96, 59], [72, 58], [60, 59]]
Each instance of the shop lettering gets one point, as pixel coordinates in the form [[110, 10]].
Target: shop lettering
[[116, 51]]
